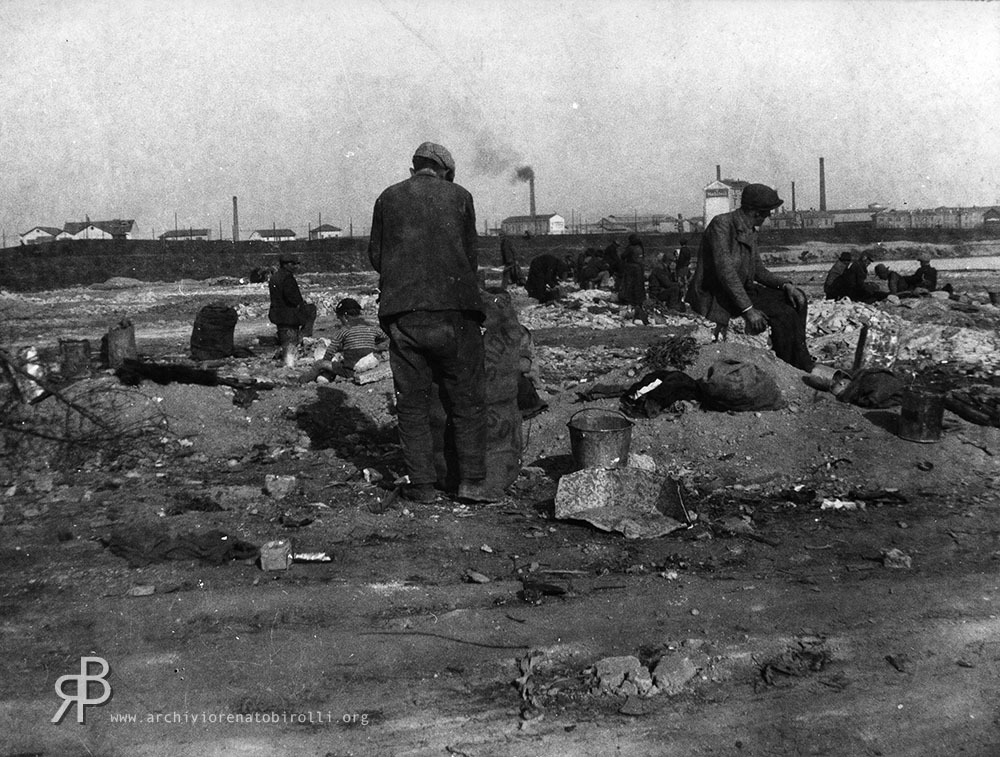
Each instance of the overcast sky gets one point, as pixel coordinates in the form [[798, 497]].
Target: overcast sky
[[309, 108]]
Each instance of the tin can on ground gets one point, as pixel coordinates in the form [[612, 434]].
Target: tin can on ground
[[921, 415], [276, 555]]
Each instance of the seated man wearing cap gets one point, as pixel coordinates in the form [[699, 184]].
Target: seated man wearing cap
[[424, 246], [731, 281], [925, 277], [293, 316], [835, 285], [896, 283]]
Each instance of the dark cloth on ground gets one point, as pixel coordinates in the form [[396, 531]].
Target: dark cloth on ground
[[876, 388], [656, 392], [145, 545], [738, 386]]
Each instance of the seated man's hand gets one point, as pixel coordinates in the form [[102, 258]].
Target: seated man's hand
[[795, 296], [756, 321]]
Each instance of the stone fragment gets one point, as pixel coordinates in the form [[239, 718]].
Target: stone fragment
[[672, 672], [278, 487]]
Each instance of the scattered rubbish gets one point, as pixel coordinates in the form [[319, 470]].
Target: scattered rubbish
[[642, 462], [921, 415], [808, 657], [192, 502], [964, 664], [873, 388], [527, 688], [276, 555], [742, 526], [371, 475], [486, 548], [600, 439], [826, 378], [278, 487], [925, 465], [74, 358], [290, 521], [475, 577], [312, 557], [620, 676], [896, 558], [145, 545], [658, 392], [841, 504], [976, 403], [533, 592], [636, 503], [878, 345], [142, 590], [379, 373]]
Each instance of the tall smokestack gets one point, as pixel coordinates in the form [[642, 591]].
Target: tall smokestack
[[718, 172], [822, 186], [527, 173], [236, 222], [793, 196]]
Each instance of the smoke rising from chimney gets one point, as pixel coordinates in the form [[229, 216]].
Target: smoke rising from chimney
[[524, 173]]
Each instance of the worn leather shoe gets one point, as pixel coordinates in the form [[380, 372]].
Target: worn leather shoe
[[474, 491], [419, 493]]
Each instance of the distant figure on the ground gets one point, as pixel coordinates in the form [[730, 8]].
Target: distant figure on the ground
[[835, 285], [664, 283], [612, 258], [293, 316], [424, 246], [544, 275], [632, 282], [896, 283], [683, 264], [508, 259], [592, 270], [856, 285], [731, 281], [925, 277]]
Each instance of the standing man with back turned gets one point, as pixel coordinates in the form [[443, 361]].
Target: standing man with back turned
[[423, 245], [731, 281]]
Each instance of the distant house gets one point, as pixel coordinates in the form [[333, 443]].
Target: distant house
[[549, 223], [272, 235], [991, 217], [649, 224], [326, 231], [40, 235], [184, 235], [116, 229], [722, 196]]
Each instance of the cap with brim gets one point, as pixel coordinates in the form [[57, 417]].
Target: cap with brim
[[437, 153], [760, 197], [845, 257]]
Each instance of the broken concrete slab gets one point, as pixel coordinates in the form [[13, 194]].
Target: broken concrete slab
[[637, 503], [672, 672], [622, 676]]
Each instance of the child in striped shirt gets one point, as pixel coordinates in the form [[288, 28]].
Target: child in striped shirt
[[356, 338]]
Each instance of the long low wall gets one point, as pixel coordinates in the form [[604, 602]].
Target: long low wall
[[58, 265]]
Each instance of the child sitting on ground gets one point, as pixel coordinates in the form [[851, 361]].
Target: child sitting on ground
[[356, 340]]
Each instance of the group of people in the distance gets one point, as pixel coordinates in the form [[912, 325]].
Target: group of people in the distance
[[848, 279], [729, 279], [614, 267]]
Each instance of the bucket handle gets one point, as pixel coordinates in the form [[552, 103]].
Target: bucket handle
[[602, 410]]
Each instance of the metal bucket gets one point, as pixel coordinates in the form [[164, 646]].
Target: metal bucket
[[920, 415], [599, 439]]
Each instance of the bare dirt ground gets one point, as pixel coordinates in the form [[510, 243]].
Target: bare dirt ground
[[791, 634]]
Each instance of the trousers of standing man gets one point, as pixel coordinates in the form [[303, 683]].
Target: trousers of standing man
[[443, 347], [788, 325]]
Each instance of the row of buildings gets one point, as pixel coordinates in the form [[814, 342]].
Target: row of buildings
[[119, 229], [723, 196]]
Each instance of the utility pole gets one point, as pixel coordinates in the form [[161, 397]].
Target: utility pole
[[175, 223]]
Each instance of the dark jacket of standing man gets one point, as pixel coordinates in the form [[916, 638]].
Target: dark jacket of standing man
[[289, 311], [731, 281], [423, 245]]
